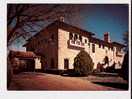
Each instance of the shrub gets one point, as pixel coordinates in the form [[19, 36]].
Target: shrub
[[106, 60], [125, 67], [83, 63]]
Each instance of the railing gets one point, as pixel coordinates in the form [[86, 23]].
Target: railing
[[76, 43]]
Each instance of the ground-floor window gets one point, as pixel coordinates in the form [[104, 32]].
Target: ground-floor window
[[66, 63]]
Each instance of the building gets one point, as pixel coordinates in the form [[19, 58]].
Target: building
[[59, 43], [24, 61]]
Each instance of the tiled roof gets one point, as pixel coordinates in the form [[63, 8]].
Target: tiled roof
[[22, 54]]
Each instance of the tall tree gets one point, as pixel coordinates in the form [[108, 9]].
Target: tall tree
[[126, 40], [25, 19]]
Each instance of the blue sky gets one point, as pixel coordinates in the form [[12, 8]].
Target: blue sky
[[106, 18], [100, 18]]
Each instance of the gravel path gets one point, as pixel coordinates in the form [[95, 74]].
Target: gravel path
[[42, 81]]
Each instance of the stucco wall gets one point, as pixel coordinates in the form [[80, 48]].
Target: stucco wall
[[98, 56], [58, 50], [64, 51]]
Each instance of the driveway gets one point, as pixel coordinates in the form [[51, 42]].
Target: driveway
[[42, 81]]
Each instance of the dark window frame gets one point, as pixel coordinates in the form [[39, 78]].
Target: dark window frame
[[80, 38], [86, 41], [66, 63], [70, 35], [93, 48], [75, 37]]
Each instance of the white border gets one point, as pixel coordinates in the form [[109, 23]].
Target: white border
[[55, 94]]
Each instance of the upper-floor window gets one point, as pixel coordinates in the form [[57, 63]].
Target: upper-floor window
[[85, 40], [103, 46], [75, 37], [80, 37], [70, 36], [99, 45], [93, 48], [118, 49], [112, 48], [89, 45]]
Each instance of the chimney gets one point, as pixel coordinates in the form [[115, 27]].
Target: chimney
[[61, 19], [107, 37]]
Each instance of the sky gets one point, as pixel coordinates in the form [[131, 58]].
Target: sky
[[107, 18], [100, 18]]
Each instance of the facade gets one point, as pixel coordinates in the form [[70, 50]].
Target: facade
[[59, 43]]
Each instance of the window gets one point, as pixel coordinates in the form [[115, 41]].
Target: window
[[118, 49], [112, 48], [85, 40], [89, 45], [75, 37], [99, 45], [70, 36], [80, 37], [66, 63], [103, 46], [93, 48]]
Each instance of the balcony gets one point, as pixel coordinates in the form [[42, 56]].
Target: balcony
[[77, 44]]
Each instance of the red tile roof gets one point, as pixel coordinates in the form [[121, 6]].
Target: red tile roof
[[22, 54]]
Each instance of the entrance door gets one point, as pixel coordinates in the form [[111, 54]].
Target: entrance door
[[30, 65], [66, 63]]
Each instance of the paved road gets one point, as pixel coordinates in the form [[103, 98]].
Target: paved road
[[42, 81]]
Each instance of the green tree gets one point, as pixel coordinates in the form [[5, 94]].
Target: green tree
[[83, 63]]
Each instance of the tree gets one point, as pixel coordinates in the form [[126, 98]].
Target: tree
[[125, 65], [83, 63], [126, 39], [23, 20], [106, 60]]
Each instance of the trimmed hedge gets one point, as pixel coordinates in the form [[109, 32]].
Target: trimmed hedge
[[83, 63]]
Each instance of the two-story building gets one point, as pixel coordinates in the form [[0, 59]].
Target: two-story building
[[59, 43]]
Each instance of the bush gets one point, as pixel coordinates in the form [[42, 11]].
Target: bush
[[83, 63], [125, 67], [106, 60]]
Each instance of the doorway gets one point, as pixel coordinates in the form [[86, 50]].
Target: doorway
[[66, 63]]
